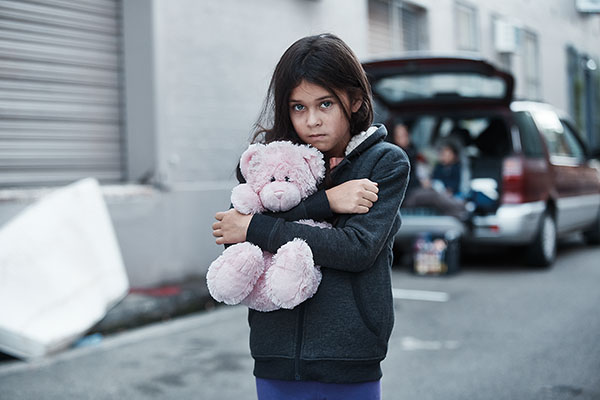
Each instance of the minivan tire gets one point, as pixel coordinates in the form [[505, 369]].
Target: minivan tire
[[592, 236], [542, 251]]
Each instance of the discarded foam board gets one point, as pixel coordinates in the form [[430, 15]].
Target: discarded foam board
[[60, 271]]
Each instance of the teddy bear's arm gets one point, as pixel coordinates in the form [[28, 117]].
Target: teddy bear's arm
[[245, 200]]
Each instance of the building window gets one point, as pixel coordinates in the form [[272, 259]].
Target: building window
[[583, 77], [505, 40], [531, 69], [396, 26], [380, 27], [414, 27], [467, 37]]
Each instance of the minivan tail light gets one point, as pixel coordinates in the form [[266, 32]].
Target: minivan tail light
[[512, 181]]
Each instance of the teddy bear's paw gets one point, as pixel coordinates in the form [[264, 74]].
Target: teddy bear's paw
[[245, 200], [232, 276], [258, 298], [293, 276]]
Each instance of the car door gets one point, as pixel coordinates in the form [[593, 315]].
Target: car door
[[587, 179], [567, 160]]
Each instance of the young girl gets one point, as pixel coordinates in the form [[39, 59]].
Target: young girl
[[331, 345]]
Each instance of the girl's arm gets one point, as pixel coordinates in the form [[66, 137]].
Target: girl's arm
[[356, 245], [353, 197]]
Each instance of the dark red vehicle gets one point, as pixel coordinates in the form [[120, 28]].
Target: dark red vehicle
[[539, 179]]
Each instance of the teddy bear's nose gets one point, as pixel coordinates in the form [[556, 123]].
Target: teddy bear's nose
[[278, 193]]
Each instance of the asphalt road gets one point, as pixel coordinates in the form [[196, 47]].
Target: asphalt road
[[498, 330]]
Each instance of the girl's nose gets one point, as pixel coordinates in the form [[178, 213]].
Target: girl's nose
[[313, 119]]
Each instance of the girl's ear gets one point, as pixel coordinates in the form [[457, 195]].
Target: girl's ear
[[247, 156], [316, 164], [356, 105]]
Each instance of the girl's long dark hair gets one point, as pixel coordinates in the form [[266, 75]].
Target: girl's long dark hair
[[323, 60]]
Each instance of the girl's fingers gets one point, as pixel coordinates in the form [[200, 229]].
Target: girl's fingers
[[370, 186], [370, 196], [362, 210], [219, 216], [365, 203], [217, 233]]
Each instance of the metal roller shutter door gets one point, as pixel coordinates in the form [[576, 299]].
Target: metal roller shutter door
[[60, 91]]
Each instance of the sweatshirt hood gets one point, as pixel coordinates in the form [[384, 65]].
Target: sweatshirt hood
[[364, 140]]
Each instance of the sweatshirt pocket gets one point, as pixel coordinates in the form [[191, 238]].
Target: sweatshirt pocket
[[273, 334], [334, 326]]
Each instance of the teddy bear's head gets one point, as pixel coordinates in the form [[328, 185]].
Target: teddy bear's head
[[282, 173]]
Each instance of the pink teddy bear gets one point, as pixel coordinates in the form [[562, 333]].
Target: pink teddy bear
[[279, 176]]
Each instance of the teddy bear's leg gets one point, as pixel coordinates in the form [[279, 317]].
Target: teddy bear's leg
[[232, 276], [258, 298], [293, 276]]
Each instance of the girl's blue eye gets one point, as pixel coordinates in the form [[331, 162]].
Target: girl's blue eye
[[326, 104], [298, 107]]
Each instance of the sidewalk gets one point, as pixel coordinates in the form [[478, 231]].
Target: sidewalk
[[200, 356]]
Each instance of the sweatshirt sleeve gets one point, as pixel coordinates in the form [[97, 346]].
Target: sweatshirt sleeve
[[354, 246], [314, 207]]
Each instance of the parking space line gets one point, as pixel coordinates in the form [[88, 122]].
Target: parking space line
[[422, 295]]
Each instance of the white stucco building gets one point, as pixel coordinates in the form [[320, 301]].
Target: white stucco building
[[157, 98]]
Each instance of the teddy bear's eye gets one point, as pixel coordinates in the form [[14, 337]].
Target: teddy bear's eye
[[272, 179], [287, 178]]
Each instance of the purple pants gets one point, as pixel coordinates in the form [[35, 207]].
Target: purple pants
[[271, 389]]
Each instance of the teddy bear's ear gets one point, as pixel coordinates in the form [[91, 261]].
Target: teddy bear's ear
[[247, 156], [314, 159]]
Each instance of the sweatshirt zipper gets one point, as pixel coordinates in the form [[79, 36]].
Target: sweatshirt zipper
[[300, 328]]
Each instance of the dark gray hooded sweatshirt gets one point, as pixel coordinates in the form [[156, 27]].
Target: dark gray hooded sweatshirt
[[340, 335]]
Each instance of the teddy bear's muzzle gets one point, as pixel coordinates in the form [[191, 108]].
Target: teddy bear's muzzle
[[280, 196]]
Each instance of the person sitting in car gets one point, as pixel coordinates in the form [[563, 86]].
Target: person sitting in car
[[442, 191], [401, 137], [447, 171]]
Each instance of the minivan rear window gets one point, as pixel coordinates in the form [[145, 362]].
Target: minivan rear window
[[400, 88]]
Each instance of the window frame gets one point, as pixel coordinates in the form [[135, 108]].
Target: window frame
[[474, 26], [396, 42], [532, 78]]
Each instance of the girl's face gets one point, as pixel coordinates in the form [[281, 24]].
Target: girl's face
[[319, 119], [447, 156]]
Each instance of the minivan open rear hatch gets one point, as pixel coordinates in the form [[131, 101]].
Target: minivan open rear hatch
[[405, 83]]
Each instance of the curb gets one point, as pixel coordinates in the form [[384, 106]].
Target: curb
[[143, 306]]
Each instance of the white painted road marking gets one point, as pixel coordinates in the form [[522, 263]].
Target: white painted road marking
[[410, 344], [424, 295]]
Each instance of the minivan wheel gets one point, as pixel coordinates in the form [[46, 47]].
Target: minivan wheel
[[592, 236], [542, 251]]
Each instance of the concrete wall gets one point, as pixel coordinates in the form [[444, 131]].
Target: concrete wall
[[213, 63], [196, 86]]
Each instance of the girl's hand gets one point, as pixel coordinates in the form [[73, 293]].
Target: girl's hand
[[353, 197], [231, 227]]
